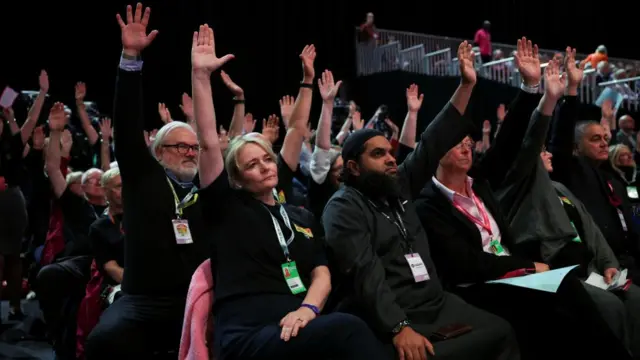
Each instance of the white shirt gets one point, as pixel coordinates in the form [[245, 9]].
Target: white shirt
[[470, 206]]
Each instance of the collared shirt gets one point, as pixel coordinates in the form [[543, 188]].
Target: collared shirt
[[470, 206]]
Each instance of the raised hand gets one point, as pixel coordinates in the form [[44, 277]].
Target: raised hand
[[467, 67], [164, 113], [356, 121], [249, 123], [271, 128], [203, 52], [554, 82], [187, 106], [528, 62], [8, 114], [286, 108], [57, 117], [66, 142], [105, 129], [43, 81], [308, 56], [81, 91], [328, 89], [486, 127], [606, 109], [134, 32], [232, 86], [574, 72], [501, 112], [414, 99]]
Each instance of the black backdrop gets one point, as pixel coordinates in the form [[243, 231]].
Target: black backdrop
[[79, 40]]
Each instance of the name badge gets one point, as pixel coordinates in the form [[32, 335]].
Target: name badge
[[622, 222], [496, 247], [418, 269], [182, 232], [632, 192], [577, 238], [290, 272]]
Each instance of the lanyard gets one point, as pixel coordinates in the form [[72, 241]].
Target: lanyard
[[284, 244], [397, 221], [188, 200], [485, 223]]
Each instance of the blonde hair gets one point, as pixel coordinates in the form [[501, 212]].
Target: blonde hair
[[74, 177], [231, 154], [614, 155], [109, 175]]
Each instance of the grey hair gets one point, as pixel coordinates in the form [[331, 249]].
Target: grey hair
[[88, 173], [581, 128], [164, 131], [114, 164], [109, 175], [73, 177], [601, 65]]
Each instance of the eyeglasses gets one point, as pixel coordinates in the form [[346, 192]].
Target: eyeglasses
[[466, 144], [183, 148]]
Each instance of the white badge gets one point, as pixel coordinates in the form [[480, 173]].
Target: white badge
[[418, 269], [181, 229], [632, 192], [622, 222]]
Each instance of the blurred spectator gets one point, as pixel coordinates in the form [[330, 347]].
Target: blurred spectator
[[603, 72], [599, 55], [368, 31], [482, 39]]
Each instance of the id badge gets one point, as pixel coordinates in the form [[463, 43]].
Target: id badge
[[182, 232], [418, 269], [577, 238], [622, 222], [632, 192], [290, 272], [496, 247]]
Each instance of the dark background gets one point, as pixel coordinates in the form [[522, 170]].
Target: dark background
[[80, 41]]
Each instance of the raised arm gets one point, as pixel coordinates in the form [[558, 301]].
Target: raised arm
[[36, 108], [105, 150], [237, 121], [57, 121], [203, 62], [130, 146], [445, 131], [564, 123], [87, 127], [297, 124]]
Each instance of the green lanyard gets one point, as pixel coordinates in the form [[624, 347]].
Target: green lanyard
[[188, 200]]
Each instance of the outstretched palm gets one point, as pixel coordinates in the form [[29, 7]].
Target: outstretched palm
[[134, 32], [57, 118], [465, 58], [528, 61], [328, 88], [414, 98], [203, 51], [574, 72], [554, 83]]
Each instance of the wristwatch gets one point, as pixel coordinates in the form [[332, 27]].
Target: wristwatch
[[401, 325]]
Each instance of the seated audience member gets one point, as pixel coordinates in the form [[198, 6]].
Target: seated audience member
[[382, 251], [627, 134], [623, 166], [164, 234], [269, 298], [61, 284], [580, 154], [106, 235], [472, 244]]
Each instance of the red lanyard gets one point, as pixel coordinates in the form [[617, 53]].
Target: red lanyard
[[485, 223], [613, 198]]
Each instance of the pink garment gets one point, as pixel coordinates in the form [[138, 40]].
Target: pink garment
[[198, 324], [483, 39]]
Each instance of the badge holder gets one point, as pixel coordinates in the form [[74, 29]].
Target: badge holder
[[496, 247], [418, 269], [291, 276]]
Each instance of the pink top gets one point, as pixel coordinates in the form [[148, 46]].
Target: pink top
[[483, 39]]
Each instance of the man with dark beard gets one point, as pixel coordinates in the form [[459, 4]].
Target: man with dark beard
[[386, 275]]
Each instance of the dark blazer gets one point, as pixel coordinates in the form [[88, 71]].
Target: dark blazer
[[456, 244]]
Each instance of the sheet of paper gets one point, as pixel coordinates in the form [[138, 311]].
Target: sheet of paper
[[597, 280], [548, 281], [8, 97]]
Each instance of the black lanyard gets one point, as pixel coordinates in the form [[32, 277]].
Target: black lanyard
[[397, 221]]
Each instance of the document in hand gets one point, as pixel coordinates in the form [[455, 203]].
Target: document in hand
[[548, 281], [8, 97], [619, 281]]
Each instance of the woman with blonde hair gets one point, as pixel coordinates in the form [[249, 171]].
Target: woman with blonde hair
[[270, 270]]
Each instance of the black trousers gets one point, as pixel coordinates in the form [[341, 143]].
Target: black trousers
[[138, 327], [561, 325], [60, 288], [331, 336]]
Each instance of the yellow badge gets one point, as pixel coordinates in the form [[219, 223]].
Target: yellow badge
[[281, 198], [304, 231]]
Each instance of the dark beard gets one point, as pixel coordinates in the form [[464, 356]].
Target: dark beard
[[377, 185]]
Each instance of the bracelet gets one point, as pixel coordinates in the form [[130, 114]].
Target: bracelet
[[401, 325], [305, 85], [312, 308], [238, 101]]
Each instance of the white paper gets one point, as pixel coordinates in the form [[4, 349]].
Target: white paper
[[597, 280], [548, 281], [8, 97]]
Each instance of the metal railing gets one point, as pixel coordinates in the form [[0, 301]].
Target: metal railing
[[433, 55]]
